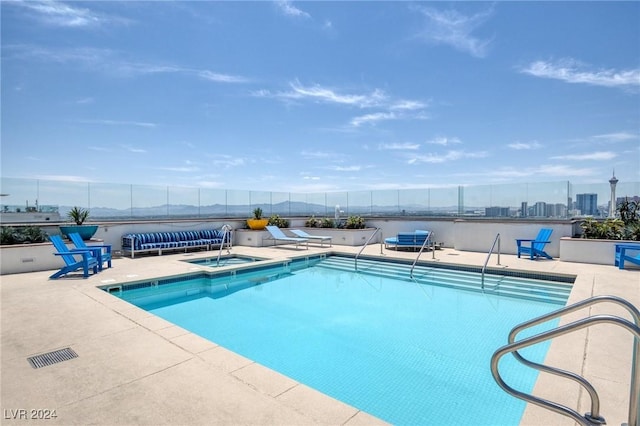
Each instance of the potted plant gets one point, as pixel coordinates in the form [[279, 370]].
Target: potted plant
[[257, 222], [79, 216]]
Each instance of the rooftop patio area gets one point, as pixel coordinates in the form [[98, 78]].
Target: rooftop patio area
[[135, 368]]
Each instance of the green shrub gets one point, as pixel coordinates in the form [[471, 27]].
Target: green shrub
[[312, 222], [327, 223], [276, 220], [625, 228], [354, 222], [22, 235]]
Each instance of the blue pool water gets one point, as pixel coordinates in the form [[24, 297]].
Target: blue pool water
[[406, 352]]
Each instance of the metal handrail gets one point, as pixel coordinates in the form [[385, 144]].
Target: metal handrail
[[593, 417], [363, 247], [484, 268], [424, 244], [227, 229]]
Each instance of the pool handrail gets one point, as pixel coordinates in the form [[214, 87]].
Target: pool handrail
[[226, 228], [363, 247], [424, 244], [593, 417], [484, 268]]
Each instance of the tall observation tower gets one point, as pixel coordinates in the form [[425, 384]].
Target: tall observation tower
[[612, 205]]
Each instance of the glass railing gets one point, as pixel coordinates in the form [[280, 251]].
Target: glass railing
[[109, 201]]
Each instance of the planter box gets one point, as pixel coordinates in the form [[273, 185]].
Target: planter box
[[85, 231], [584, 250], [19, 258], [341, 237]]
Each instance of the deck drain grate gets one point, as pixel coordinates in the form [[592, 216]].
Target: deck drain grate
[[51, 358]]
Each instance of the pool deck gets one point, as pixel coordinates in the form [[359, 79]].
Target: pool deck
[[136, 369]]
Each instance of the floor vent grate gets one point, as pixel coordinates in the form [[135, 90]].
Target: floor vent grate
[[51, 358]]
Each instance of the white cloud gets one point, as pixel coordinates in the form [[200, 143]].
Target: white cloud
[[64, 15], [372, 118], [226, 161], [65, 178], [444, 141], [322, 94], [455, 29], [133, 149], [119, 123], [546, 170], [571, 71], [399, 146], [617, 137], [290, 10], [592, 156], [345, 168], [564, 171], [221, 78], [447, 157], [182, 169], [525, 145], [391, 109], [317, 154], [109, 61], [407, 105]]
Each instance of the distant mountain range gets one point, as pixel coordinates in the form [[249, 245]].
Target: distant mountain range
[[219, 210]]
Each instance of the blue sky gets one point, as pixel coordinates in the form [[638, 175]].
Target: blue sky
[[320, 96]]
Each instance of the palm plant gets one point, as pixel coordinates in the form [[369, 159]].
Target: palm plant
[[78, 215]]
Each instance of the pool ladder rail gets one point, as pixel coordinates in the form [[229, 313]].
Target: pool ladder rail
[[364, 246], [484, 267], [424, 245], [228, 231], [593, 417]]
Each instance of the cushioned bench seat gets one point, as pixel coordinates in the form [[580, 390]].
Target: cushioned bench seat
[[410, 240], [164, 241]]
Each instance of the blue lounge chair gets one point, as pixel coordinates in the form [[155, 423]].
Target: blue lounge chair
[[277, 235], [535, 248], [70, 259], [321, 238], [100, 252], [627, 252]]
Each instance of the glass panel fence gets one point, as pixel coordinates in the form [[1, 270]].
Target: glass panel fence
[[213, 203], [108, 201]]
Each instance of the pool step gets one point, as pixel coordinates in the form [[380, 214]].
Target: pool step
[[524, 288]]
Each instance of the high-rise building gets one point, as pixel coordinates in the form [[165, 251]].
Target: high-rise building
[[587, 204], [496, 212]]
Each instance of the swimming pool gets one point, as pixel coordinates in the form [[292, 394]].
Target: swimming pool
[[403, 350]]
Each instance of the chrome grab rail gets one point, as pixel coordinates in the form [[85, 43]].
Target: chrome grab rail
[[227, 229], [484, 268], [365, 245], [426, 240], [593, 417]]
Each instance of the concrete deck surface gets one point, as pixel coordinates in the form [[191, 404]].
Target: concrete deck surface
[[137, 369]]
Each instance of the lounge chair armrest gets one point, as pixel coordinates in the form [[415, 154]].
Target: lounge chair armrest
[[85, 253]]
